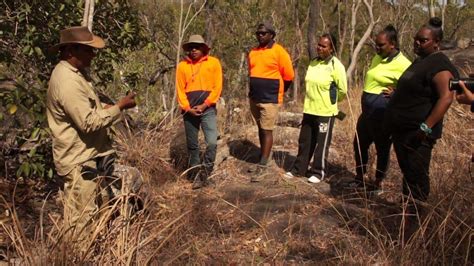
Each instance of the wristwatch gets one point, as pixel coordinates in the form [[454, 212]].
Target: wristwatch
[[425, 128]]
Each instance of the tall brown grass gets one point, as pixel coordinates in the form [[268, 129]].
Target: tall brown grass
[[280, 221]]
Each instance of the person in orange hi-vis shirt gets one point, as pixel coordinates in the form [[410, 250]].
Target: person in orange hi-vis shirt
[[199, 86], [271, 74]]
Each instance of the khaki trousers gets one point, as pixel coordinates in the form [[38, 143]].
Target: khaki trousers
[[87, 197]]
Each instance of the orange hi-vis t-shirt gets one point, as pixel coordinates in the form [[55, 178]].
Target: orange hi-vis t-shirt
[[269, 67], [198, 82]]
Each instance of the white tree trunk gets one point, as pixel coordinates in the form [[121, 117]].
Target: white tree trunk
[[355, 54], [312, 26], [443, 13], [240, 73], [296, 85], [354, 10], [184, 22], [85, 17], [431, 8], [91, 14], [342, 32], [88, 16]]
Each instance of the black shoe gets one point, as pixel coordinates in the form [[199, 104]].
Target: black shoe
[[191, 175], [210, 182], [198, 183], [355, 184], [201, 180]]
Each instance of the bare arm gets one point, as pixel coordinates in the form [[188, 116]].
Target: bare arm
[[441, 82], [466, 96]]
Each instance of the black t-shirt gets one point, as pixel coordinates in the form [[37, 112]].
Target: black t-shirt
[[416, 94]]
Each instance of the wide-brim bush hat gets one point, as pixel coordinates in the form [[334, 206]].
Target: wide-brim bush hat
[[80, 35], [195, 39]]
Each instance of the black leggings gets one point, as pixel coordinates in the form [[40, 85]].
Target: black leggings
[[414, 158], [370, 130]]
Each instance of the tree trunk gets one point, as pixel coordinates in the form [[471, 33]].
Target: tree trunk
[[355, 54], [297, 50], [443, 13], [91, 15], [312, 25], [209, 27], [354, 10], [85, 16], [341, 28], [88, 16], [240, 73], [431, 8], [296, 84], [184, 22], [289, 119]]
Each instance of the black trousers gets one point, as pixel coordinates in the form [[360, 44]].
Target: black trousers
[[414, 158], [314, 141], [370, 130]]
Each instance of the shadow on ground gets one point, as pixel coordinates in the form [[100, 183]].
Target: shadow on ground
[[244, 150], [247, 151], [284, 159]]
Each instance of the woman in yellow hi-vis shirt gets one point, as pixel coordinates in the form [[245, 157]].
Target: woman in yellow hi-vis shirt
[[326, 84], [386, 68]]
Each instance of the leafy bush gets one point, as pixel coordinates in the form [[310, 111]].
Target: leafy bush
[[27, 30]]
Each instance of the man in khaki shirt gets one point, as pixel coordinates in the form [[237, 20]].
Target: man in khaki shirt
[[82, 149]]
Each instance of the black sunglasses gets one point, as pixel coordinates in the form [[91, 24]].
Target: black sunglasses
[[191, 47], [84, 48], [262, 33]]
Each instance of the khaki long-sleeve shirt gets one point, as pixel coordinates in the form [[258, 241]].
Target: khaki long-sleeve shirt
[[77, 120]]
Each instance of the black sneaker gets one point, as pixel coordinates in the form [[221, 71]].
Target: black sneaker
[[199, 180], [198, 183], [209, 183], [356, 183], [192, 174]]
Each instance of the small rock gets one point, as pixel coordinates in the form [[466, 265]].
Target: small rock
[[323, 188]]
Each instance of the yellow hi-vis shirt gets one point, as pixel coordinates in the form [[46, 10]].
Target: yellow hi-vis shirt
[[385, 72], [318, 79]]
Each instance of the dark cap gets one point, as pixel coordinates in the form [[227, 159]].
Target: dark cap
[[268, 26]]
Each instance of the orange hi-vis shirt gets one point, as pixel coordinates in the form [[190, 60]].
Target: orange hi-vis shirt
[[198, 82], [269, 67]]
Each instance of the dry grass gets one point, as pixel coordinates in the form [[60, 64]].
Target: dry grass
[[274, 221]]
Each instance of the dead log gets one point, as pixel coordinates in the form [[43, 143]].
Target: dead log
[[289, 119]]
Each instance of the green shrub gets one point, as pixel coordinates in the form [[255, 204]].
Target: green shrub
[[27, 30]]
